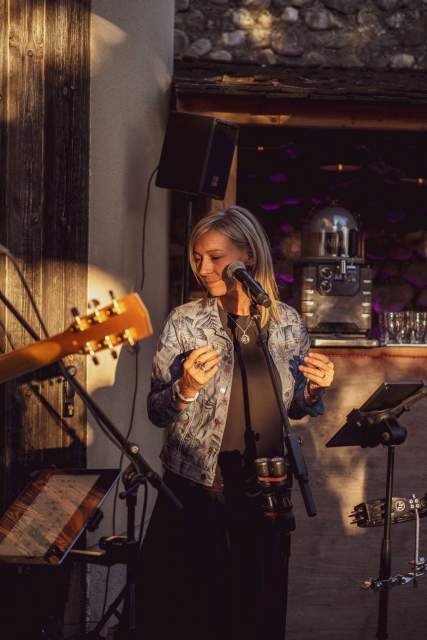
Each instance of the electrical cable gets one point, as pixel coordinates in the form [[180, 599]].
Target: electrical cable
[[136, 383], [142, 521], [34, 335], [28, 291], [62, 366], [116, 491], [135, 350], [144, 225]]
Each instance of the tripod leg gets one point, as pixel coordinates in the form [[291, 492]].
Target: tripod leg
[[112, 610]]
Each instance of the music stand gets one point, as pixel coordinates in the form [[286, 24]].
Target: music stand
[[373, 424], [44, 522]]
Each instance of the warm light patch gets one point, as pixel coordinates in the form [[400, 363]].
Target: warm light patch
[[105, 37]]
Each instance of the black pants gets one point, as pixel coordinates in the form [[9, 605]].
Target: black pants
[[217, 570]]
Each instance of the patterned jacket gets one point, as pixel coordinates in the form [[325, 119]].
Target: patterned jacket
[[194, 434]]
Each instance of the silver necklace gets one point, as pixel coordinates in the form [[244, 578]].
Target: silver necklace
[[244, 338]]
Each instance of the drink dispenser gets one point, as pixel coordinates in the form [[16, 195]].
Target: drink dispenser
[[334, 285]]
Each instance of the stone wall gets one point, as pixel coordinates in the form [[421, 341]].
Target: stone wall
[[374, 34]]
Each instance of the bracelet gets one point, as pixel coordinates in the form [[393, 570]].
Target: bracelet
[[177, 394]]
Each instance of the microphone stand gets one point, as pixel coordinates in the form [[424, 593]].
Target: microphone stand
[[291, 442], [127, 627]]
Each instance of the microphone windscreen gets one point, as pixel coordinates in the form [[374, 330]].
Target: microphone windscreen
[[233, 266]]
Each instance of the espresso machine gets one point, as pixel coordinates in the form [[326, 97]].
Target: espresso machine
[[333, 282]]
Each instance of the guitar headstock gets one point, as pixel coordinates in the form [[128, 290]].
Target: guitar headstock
[[122, 321]]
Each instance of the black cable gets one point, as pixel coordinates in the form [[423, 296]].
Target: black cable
[[63, 369], [135, 350], [142, 521], [35, 336], [7, 335], [136, 382], [144, 225], [33, 303]]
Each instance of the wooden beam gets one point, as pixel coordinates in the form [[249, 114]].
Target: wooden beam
[[306, 113]]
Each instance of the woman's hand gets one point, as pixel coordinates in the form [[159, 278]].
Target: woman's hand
[[200, 366], [318, 370]]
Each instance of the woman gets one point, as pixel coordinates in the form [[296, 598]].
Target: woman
[[219, 566]]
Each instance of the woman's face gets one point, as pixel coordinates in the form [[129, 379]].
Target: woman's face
[[212, 252]]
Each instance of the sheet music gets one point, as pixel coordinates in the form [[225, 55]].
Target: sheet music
[[45, 518]]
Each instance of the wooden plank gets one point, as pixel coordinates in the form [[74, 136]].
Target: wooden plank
[[24, 202], [45, 141], [3, 218], [357, 85], [67, 175]]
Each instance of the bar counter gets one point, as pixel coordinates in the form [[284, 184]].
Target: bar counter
[[393, 351]]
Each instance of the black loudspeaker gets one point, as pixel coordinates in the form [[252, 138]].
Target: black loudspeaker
[[197, 154]]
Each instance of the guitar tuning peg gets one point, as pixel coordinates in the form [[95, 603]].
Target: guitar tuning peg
[[77, 320], [128, 337], [110, 345], [94, 304], [90, 351], [116, 306]]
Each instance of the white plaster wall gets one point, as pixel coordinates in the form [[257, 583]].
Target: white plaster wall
[[131, 67]]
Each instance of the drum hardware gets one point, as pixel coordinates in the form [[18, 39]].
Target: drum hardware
[[372, 514], [374, 423]]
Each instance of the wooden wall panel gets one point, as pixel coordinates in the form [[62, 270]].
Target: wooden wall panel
[[44, 161], [44, 149]]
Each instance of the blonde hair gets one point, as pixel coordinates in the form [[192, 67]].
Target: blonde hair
[[244, 230]]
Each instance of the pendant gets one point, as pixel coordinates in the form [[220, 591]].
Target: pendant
[[245, 339]]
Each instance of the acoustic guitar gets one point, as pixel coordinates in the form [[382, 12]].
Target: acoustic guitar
[[123, 321]]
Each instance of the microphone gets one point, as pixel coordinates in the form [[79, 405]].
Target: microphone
[[238, 271]]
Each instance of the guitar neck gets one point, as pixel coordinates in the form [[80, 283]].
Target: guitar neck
[[27, 359]]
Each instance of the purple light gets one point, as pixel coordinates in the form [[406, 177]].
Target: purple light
[[377, 306], [286, 227], [278, 177], [375, 256], [417, 282], [270, 206], [285, 277], [396, 216], [291, 152], [289, 202], [316, 201]]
